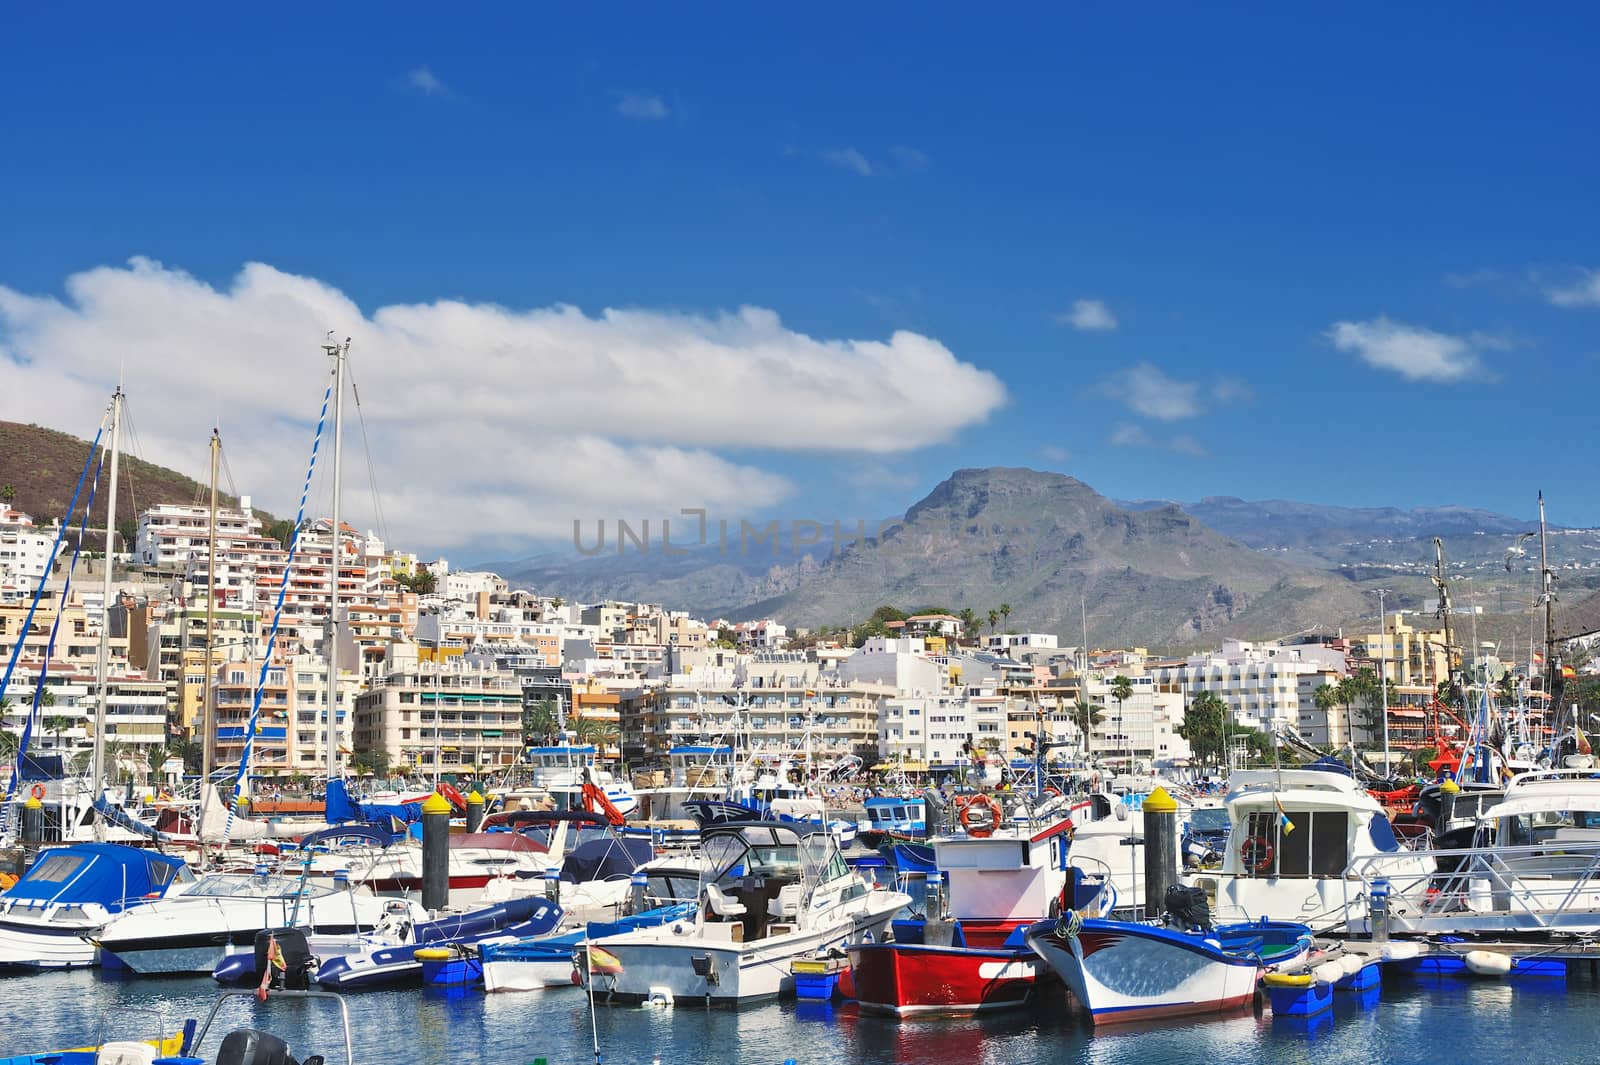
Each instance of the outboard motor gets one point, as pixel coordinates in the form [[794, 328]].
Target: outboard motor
[[298, 964], [251, 1046], [1187, 907]]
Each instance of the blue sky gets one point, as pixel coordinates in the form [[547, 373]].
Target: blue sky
[[1340, 256]]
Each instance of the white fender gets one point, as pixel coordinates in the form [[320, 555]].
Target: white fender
[[1488, 962], [1329, 972]]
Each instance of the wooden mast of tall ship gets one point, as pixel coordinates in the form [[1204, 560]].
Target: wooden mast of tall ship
[[337, 353], [97, 759]]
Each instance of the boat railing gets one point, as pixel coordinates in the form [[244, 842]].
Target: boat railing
[[121, 1012], [1531, 886], [326, 996]]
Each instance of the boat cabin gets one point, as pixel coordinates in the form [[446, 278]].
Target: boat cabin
[[1301, 823], [895, 816], [994, 882], [560, 766], [765, 878], [701, 766]]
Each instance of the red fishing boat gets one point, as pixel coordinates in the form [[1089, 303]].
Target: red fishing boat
[[970, 956]]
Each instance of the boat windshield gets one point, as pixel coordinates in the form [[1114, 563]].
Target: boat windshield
[[1551, 826], [244, 885]]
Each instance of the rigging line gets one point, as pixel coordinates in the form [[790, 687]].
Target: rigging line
[[55, 626], [277, 618], [137, 451], [372, 470], [55, 549]]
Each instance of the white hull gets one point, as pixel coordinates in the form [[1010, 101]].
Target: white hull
[[658, 960], [1121, 978], [22, 947], [526, 975]]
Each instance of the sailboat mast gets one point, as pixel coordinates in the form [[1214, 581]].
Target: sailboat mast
[[97, 763], [331, 738], [208, 704], [1552, 660]]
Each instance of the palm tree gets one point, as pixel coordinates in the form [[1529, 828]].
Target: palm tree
[[540, 720], [1005, 612], [1203, 726], [593, 730], [56, 724], [994, 619], [8, 494], [1122, 691], [969, 622], [1086, 716]]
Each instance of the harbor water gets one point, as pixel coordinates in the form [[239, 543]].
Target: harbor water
[[1419, 1021]]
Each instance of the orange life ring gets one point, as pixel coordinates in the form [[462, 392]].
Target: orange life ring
[[983, 827], [37, 791], [1053, 790], [1256, 853]]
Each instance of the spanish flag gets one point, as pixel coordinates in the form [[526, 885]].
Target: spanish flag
[[1283, 818], [603, 961]]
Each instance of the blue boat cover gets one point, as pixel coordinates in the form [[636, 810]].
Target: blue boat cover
[[341, 808], [106, 873], [40, 767], [605, 859]]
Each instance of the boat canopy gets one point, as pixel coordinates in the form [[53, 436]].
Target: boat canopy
[[340, 808], [1550, 802], [605, 859], [106, 873]]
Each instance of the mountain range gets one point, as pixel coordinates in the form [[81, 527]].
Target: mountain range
[[1065, 558]]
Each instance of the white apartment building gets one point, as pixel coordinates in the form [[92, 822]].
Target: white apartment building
[[1005, 643], [170, 534], [453, 715], [466, 584], [1260, 683], [25, 550], [902, 663], [1143, 728]]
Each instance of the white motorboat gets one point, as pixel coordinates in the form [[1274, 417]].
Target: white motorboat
[[1292, 837], [192, 932], [1536, 870], [72, 892], [771, 892]]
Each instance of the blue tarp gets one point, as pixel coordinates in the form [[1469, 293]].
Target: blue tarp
[[605, 859], [107, 873], [341, 808]]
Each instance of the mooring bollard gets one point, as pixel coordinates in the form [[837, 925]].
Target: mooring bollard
[[33, 820], [1160, 850], [435, 852], [474, 811]]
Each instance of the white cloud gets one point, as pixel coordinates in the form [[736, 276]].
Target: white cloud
[[487, 423], [850, 159], [1055, 454], [1145, 390], [1091, 316], [1231, 390], [1129, 435], [1585, 292], [1413, 352], [875, 478], [641, 105], [426, 82]]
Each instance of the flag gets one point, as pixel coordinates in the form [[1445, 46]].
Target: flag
[[1582, 741], [1568, 672], [1283, 819], [603, 961]]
